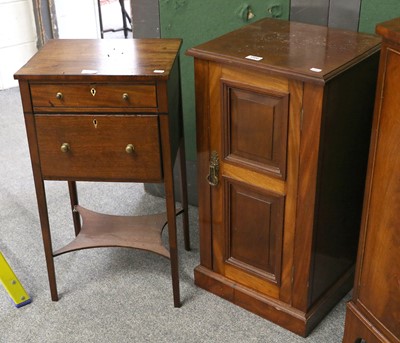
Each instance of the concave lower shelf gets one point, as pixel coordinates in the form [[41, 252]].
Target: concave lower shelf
[[104, 230]]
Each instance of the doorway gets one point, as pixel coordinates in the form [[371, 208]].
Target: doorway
[[115, 18], [78, 19]]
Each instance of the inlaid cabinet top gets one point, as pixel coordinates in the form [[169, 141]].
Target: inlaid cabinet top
[[302, 51], [135, 59]]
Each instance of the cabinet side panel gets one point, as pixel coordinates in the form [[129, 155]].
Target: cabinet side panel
[[293, 160], [203, 153], [308, 162], [345, 136]]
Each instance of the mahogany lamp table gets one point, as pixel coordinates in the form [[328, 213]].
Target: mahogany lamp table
[[107, 110]]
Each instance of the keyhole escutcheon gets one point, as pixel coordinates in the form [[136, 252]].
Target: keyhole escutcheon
[[95, 123], [93, 91]]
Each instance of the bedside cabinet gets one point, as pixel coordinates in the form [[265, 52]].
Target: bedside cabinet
[[107, 110], [284, 114], [373, 314]]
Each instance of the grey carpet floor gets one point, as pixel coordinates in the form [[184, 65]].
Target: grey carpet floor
[[109, 294]]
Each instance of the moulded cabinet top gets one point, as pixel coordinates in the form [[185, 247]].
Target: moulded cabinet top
[[302, 51], [390, 30], [98, 59]]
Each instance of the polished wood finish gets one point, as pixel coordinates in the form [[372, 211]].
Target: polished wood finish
[[279, 232], [265, 115], [107, 110], [87, 135], [124, 96], [373, 314], [104, 230]]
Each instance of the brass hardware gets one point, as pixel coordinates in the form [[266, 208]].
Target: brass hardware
[[93, 91], [125, 96], [212, 177], [65, 147], [130, 148], [95, 122], [59, 95]]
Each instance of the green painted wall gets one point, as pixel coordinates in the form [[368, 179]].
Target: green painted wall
[[377, 11], [197, 21]]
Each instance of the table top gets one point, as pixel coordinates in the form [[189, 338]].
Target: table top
[[303, 51], [100, 59]]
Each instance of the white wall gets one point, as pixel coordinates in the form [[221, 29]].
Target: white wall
[[17, 38], [77, 19]]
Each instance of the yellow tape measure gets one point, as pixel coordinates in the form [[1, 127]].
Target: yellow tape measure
[[12, 284]]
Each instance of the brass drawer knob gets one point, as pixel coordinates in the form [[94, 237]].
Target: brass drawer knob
[[130, 148], [59, 95], [65, 147], [125, 96]]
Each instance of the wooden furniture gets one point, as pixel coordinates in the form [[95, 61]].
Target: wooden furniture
[[107, 110], [283, 124], [373, 314]]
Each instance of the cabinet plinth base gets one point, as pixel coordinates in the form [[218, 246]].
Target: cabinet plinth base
[[358, 326], [103, 230], [280, 313]]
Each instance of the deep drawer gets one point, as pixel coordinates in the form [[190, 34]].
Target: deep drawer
[[94, 95], [86, 147]]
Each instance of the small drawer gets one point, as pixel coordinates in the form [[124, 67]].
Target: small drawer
[[86, 147], [83, 95]]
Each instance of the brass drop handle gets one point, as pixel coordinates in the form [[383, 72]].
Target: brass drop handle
[[212, 177], [59, 95], [125, 96], [130, 148], [65, 147]]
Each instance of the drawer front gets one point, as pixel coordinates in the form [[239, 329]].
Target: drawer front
[[94, 95], [99, 147]]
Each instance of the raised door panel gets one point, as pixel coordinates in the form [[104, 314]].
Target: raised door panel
[[379, 283], [254, 230], [256, 126]]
